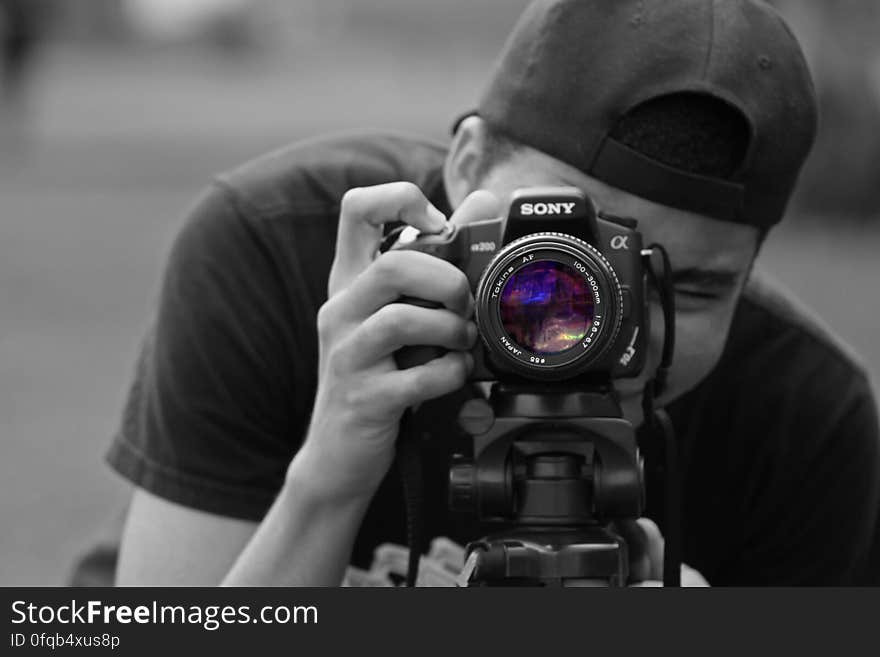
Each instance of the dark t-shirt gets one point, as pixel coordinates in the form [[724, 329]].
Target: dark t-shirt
[[780, 443]]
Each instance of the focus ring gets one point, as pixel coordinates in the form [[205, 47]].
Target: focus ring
[[495, 277]]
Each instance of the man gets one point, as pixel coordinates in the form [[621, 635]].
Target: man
[[261, 425]]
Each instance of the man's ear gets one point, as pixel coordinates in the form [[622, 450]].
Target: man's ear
[[461, 170]]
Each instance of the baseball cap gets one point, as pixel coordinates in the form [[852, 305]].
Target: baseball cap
[[571, 70]]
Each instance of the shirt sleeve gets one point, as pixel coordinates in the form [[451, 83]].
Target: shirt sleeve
[[819, 509], [210, 421]]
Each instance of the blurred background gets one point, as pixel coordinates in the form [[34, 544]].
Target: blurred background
[[114, 113]]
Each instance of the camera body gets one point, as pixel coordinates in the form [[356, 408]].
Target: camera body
[[560, 290]]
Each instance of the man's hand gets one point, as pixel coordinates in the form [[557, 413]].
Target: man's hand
[[445, 561], [361, 394], [646, 545]]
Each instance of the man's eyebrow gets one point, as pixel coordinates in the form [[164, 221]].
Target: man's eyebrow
[[701, 277]]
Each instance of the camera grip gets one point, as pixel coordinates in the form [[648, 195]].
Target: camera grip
[[413, 355]]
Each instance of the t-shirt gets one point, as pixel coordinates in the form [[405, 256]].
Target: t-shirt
[[779, 444]]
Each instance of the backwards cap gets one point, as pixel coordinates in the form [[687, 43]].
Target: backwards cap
[[572, 69]]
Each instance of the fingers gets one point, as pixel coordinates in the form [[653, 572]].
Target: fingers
[[645, 544], [397, 325], [362, 213], [654, 546], [637, 547], [392, 392], [427, 279], [433, 379], [644, 536], [692, 578], [407, 273]]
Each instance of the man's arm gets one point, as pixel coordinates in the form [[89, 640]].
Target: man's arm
[[305, 539], [307, 536], [167, 544]]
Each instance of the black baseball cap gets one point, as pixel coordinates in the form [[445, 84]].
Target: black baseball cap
[[571, 69]]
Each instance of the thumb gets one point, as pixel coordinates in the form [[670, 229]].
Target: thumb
[[478, 206]]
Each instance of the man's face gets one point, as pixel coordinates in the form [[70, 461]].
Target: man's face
[[710, 259]]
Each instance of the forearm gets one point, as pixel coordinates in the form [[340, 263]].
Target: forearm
[[305, 539]]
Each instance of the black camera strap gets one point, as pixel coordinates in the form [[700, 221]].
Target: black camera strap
[[409, 462], [658, 421]]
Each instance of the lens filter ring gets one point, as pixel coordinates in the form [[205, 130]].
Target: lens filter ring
[[548, 306]]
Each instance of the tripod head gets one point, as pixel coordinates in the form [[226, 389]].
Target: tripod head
[[550, 471]]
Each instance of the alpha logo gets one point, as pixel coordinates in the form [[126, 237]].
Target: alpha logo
[[618, 242], [527, 209]]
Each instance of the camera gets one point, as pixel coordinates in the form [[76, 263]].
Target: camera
[[559, 289], [560, 296]]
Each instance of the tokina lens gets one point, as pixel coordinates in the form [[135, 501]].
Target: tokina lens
[[549, 305]]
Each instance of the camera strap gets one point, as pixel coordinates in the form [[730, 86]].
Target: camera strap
[[409, 462], [658, 421]]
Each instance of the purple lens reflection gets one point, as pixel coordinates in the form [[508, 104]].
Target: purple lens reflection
[[546, 307]]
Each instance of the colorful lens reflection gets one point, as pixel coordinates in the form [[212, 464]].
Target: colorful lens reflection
[[546, 307]]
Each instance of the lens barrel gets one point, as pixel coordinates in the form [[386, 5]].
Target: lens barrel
[[548, 306]]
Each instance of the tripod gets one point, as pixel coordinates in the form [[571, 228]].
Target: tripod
[[554, 469]]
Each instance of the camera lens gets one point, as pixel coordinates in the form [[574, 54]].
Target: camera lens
[[547, 307]]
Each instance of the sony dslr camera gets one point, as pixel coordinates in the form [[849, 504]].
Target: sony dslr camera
[[561, 308], [560, 289]]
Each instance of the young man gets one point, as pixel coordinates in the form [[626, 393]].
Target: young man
[[261, 425]]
